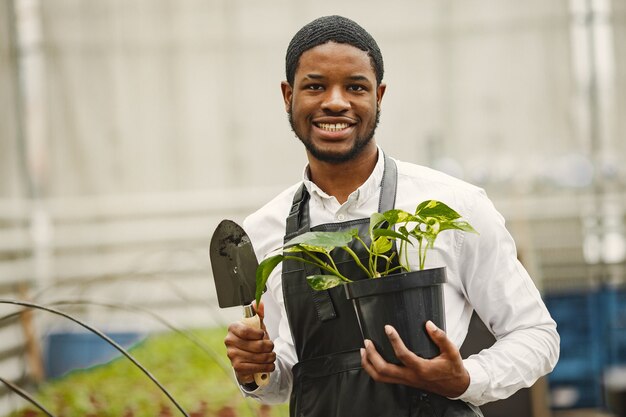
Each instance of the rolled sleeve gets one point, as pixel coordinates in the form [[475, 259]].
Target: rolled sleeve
[[508, 302], [479, 381]]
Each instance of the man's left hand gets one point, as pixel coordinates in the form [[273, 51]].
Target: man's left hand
[[444, 374]]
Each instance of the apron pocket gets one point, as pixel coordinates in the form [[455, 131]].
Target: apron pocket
[[333, 396]]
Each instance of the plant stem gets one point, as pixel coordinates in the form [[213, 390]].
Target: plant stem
[[321, 265], [389, 259], [372, 268], [422, 254], [357, 260], [406, 257], [399, 267], [332, 261], [315, 258], [404, 253]]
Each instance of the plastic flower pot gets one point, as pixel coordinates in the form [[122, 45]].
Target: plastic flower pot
[[406, 301]]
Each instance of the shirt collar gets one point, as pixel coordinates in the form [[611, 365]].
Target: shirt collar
[[360, 195]]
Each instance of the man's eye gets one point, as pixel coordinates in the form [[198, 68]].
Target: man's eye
[[315, 87], [356, 88]]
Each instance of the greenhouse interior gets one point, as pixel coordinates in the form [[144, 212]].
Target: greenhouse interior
[[130, 128]]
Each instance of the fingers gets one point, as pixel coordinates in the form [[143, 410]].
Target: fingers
[[247, 364], [403, 354], [377, 367], [250, 351], [248, 339], [245, 332], [439, 337], [245, 371], [443, 374], [368, 358], [383, 371]]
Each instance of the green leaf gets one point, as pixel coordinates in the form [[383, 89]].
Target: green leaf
[[403, 231], [391, 233], [431, 237], [433, 226], [428, 234], [381, 245], [458, 225], [294, 249], [436, 209], [326, 240], [323, 282], [263, 272], [396, 216], [418, 234], [375, 220], [302, 247]]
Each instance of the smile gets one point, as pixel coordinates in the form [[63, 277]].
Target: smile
[[332, 127]]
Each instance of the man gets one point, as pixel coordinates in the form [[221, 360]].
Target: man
[[314, 350]]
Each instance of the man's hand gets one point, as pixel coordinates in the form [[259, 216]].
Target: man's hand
[[444, 374], [250, 351]]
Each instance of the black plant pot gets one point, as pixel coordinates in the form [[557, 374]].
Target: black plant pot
[[406, 301]]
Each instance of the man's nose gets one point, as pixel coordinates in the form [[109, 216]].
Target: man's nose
[[336, 101]]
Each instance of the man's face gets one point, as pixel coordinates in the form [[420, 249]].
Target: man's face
[[334, 102]]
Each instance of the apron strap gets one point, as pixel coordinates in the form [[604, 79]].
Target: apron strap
[[298, 218], [299, 221], [388, 185]]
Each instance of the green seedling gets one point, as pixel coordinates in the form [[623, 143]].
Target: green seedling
[[420, 228]]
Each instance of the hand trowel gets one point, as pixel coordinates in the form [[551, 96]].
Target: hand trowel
[[234, 267]]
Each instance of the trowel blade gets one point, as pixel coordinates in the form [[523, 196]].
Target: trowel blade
[[234, 265]]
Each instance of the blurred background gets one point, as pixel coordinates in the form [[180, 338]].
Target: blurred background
[[130, 128]]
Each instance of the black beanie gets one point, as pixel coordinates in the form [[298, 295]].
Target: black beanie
[[336, 29]]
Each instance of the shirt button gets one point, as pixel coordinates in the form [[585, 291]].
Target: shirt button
[[341, 217]]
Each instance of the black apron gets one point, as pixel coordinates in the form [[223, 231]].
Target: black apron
[[328, 380]]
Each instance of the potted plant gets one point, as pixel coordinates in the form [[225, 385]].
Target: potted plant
[[405, 299]]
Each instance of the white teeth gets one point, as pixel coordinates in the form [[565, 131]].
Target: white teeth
[[332, 127]]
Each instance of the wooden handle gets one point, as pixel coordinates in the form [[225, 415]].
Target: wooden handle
[[262, 378]]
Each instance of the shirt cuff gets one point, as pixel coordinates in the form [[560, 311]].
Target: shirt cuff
[[246, 389], [479, 380], [250, 387]]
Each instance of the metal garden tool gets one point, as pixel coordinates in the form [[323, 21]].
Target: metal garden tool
[[234, 272]]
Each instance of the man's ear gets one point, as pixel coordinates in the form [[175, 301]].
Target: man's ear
[[380, 92], [287, 90]]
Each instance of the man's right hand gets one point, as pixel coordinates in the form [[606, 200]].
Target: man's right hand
[[250, 350]]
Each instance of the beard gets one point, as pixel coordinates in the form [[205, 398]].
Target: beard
[[334, 158]]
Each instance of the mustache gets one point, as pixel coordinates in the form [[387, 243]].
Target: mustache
[[290, 117], [358, 145]]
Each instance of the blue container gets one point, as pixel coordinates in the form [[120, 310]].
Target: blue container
[[69, 351], [579, 393], [592, 326], [614, 324], [579, 317]]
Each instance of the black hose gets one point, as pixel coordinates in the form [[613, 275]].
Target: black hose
[[186, 334], [105, 338], [25, 396]]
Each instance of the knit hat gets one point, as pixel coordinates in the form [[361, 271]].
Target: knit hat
[[336, 29]]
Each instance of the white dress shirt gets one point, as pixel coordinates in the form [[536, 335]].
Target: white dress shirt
[[482, 270]]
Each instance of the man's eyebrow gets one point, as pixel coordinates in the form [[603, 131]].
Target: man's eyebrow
[[351, 77], [358, 78]]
